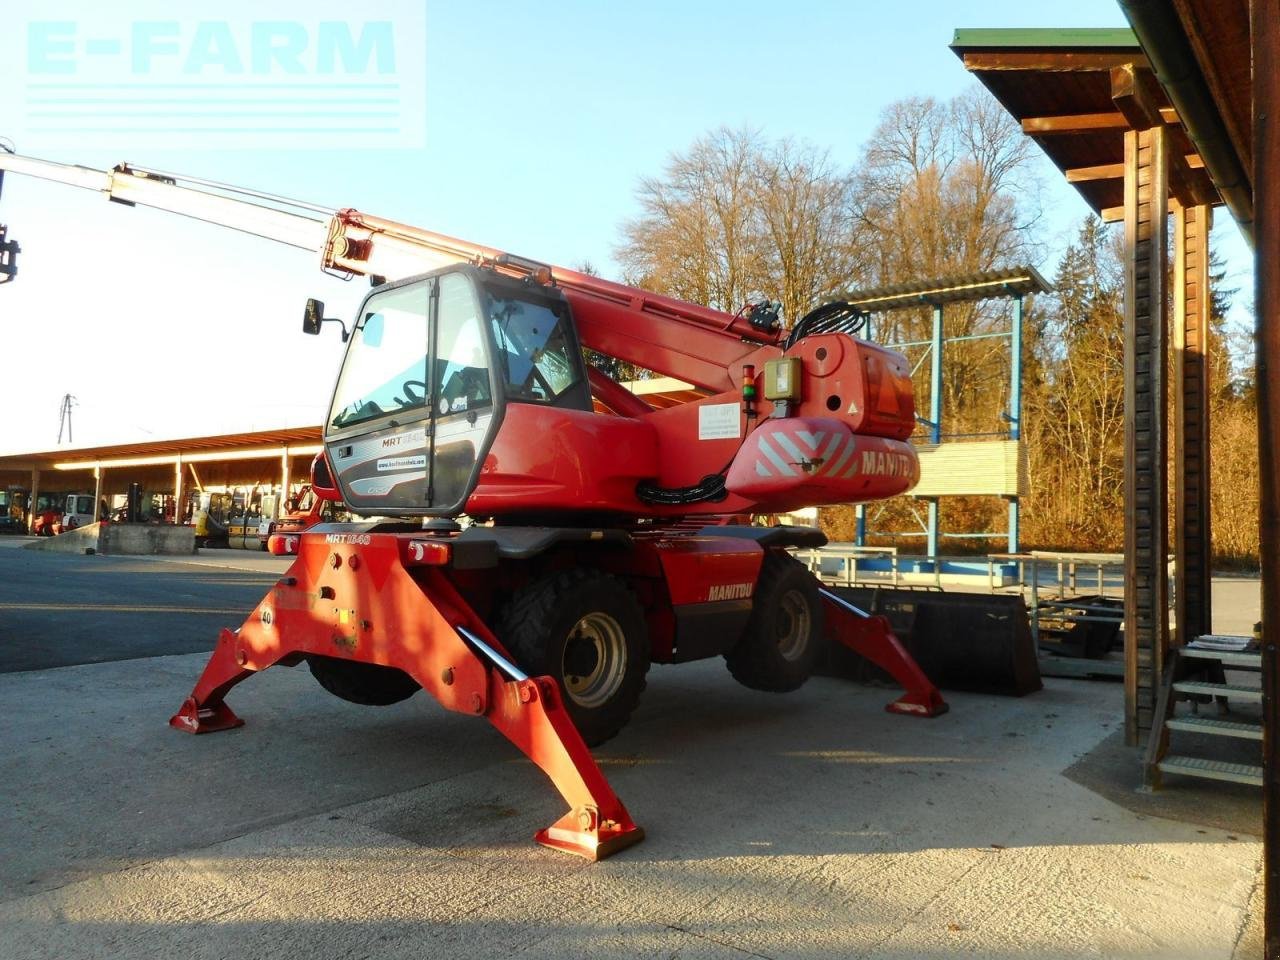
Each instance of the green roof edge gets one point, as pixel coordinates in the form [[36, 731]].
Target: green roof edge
[[1094, 38]]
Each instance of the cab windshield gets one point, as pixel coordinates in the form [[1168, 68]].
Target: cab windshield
[[385, 370]]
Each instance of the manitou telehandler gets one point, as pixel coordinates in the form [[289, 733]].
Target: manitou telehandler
[[595, 541]]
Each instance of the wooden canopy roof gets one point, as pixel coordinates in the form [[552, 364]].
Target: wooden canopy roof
[[1076, 93]]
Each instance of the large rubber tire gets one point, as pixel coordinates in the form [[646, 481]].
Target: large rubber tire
[[364, 683], [782, 642], [585, 629]]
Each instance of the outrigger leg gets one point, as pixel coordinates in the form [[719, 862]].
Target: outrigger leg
[[872, 637], [343, 610]]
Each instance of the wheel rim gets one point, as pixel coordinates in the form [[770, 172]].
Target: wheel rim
[[595, 659], [792, 624]]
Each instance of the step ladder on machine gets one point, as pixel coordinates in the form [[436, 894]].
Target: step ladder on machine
[[1196, 672]]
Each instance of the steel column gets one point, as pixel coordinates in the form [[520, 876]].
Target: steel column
[[935, 379], [935, 419], [97, 493], [1191, 302], [1146, 192], [1015, 409], [1015, 372], [932, 537]]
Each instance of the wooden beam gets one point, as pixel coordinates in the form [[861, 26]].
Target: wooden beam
[[1265, 36], [1048, 62], [1134, 92], [1075, 123], [1194, 161], [1103, 171], [1069, 123], [1111, 214]]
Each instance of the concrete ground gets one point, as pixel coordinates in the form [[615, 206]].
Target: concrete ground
[[806, 825]]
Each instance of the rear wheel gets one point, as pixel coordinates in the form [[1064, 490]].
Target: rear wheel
[[782, 642], [586, 630], [364, 683]]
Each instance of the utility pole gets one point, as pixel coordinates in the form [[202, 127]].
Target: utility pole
[[64, 421], [9, 249]]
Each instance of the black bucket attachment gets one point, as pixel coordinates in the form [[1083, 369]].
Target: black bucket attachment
[[962, 641]]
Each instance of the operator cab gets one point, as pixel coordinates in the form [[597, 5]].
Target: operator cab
[[431, 364]]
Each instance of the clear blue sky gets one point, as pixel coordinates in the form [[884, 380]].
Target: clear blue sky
[[540, 118]]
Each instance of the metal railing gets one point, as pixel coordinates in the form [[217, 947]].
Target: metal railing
[[848, 565]]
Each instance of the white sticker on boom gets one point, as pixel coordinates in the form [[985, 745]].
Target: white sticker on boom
[[719, 421]]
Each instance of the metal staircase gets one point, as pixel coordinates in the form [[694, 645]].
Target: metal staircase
[[1196, 675]]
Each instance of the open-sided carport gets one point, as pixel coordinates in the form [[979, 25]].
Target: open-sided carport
[[178, 464], [1175, 116]]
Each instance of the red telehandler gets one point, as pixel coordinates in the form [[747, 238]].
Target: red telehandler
[[595, 543]]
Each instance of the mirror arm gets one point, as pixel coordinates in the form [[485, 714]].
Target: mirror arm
[[345, 334]]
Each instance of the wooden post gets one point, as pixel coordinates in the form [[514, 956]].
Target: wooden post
[[97, 493], [285, 480], [178, 469], [1266, 206], [1146, 535], [34, 499], [1191, 302]]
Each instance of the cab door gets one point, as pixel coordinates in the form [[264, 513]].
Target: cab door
[[413, 412]]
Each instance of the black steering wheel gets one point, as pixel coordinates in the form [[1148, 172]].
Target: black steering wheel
[[414, 399]]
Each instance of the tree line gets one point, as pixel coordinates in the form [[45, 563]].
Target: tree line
[[945, 188]]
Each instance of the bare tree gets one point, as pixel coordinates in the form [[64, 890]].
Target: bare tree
[[694, 238], [803, 205], [737, 218], [943, 189]]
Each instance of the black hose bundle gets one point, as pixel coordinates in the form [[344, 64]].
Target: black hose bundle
[[838, 316], [709, 488]]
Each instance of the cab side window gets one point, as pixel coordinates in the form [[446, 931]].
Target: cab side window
[[462, 373]]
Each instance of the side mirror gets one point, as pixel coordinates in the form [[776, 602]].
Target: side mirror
[[313, 316], [9, 251], [322, 483]]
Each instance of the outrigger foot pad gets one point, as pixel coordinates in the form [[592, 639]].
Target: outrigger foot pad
[[581, 832], [193, 718], [929, 704]]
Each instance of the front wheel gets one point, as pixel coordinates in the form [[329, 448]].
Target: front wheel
[[782, 642], [586, 630]]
